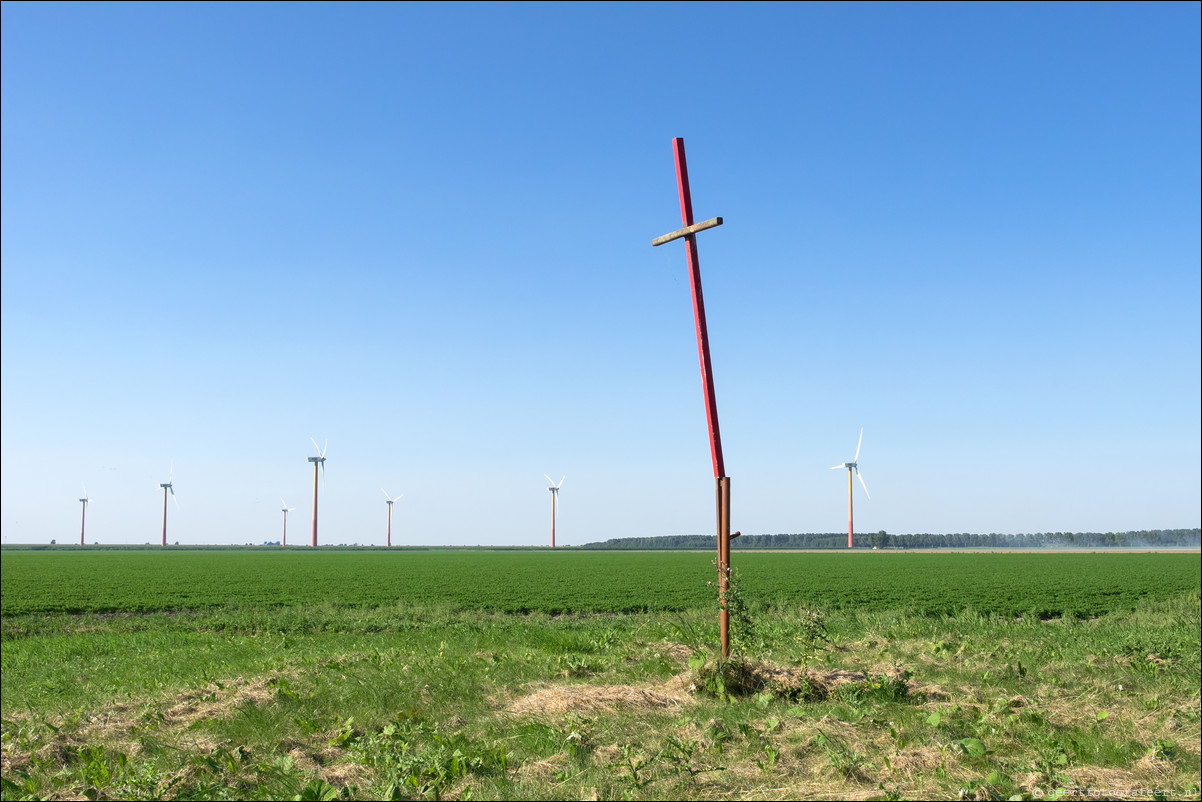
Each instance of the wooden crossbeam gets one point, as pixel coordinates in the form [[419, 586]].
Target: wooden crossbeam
[[687, 230]]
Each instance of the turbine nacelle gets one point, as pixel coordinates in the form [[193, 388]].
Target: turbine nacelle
[[320, 459], [854, 465]]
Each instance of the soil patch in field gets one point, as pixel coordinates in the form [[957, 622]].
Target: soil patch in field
[[791, 682], [214, 701], [559, 699], [747, 677]]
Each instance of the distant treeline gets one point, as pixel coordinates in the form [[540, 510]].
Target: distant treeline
[[1151, 538]]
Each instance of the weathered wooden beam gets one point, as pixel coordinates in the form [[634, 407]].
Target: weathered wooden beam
[[687, 230]]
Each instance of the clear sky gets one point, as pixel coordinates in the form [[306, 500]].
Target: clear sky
[[423, 233]]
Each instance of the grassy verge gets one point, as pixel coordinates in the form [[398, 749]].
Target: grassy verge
[[402, 703]]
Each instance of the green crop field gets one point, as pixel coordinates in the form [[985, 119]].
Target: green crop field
[[458, 674], [1043, 585]]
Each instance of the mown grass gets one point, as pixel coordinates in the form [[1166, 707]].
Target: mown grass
[[406, 702]]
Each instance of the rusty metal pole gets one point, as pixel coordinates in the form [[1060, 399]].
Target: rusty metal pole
[[722, 483], [724, 562]]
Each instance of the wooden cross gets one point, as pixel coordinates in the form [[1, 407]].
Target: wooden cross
[[721, 480]]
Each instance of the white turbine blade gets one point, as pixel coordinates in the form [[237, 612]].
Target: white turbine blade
[[838, 467], [861, 478], [857, 456], [324, 447], [285, 503], [560, 481], [385, 492], [550, 480]]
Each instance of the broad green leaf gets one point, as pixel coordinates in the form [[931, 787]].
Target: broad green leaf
[[973, 747]]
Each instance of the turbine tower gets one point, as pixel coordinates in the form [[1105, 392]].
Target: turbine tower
[[852, 466], [167, 486], [287, 510], [554, 488], [391, 501], [320, 459], [83, 518]]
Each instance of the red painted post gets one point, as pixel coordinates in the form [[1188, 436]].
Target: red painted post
[[721, 481], [703, 343]]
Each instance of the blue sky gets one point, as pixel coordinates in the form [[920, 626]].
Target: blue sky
[[422, 233]]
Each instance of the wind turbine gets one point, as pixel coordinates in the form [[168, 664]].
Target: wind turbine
[[168, 486], [554, 488], [320, 459], [852, 466], [83, 518], [391, 501], [287, 510]]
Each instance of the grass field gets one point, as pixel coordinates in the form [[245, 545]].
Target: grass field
[[531, 675]]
